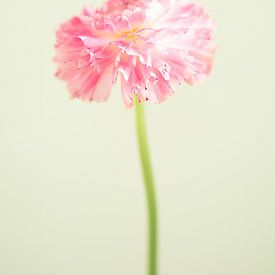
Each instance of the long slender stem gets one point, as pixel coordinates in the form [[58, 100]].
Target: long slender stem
[[149, 187]]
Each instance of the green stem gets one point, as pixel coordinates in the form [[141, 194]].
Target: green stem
[[149, 187]]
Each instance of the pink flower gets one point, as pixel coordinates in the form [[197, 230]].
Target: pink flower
[[150, 44]]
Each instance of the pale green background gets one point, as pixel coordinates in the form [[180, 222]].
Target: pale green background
[[71, 195]]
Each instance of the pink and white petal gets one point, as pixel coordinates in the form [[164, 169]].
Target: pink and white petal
[[160, 90], [103, 86], [126, 93]]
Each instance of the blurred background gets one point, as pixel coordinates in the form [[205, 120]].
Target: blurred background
[[71, 192]]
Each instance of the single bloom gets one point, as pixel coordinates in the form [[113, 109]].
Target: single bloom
[[149, 44]]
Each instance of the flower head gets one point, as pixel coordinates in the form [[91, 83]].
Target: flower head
[[150, 44]]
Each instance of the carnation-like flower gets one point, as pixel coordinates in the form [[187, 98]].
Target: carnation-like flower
[[149, 44]]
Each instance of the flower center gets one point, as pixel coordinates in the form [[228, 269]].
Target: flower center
[[130, 35]]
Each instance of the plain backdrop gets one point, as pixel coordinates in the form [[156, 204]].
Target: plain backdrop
[[71, 193]]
